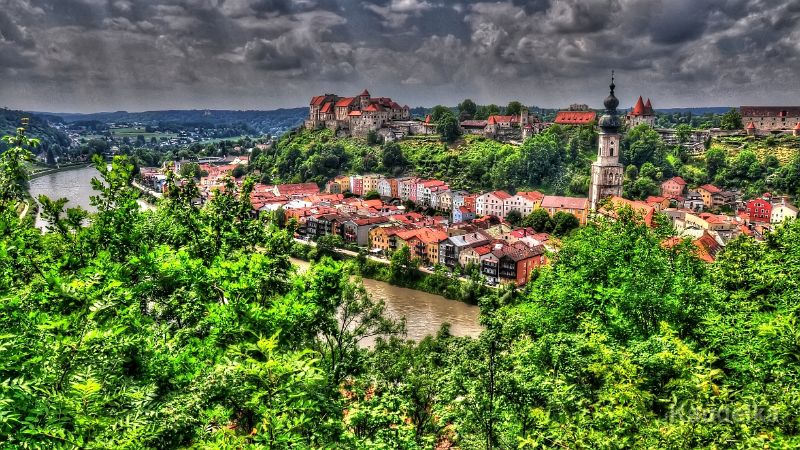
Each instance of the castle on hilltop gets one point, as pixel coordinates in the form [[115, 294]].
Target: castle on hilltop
[[358, 116], [641, 113]]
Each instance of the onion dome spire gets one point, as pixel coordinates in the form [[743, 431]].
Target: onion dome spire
[[610, 122]]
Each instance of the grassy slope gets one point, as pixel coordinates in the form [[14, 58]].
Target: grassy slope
[[783, 147]]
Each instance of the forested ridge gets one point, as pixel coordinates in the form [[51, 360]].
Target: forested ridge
[[188, 327], [556, 161]]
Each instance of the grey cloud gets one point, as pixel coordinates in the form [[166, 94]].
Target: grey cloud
[[136, 54]]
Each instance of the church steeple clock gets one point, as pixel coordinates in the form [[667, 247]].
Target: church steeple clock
[[607, 170]]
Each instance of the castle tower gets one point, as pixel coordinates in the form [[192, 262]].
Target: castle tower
[[363, 99], [607, 170]]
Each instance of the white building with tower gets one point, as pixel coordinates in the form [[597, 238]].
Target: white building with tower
[[607, 173]]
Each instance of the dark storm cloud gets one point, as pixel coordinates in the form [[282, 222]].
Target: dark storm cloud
[[147, 54]]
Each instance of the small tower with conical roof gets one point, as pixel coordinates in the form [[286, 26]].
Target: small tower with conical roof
[[607, 170]]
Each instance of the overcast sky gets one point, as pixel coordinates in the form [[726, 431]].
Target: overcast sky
[[105, 55]]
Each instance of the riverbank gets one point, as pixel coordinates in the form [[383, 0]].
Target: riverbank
[[63, 168], [443, 283]]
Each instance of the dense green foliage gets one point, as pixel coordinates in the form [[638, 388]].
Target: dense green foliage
[[557, 160], [188, 327], [53, 141]]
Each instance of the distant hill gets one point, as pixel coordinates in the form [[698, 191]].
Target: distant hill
[[51, 138], [273, 121]]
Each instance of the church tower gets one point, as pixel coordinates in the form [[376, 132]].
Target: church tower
[[607, 170]]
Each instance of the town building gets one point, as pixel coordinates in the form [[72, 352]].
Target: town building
[[492, 203], [523, 202], [450, 248], [577, 206], [474, 256], [759, 210], [715, 197], [607, 172], [693, 201], [770, 118], [504, 127], [463, 214], [673, 188], [641, 113], [356, 231], [783, 211]]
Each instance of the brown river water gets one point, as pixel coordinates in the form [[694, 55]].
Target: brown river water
[[425, 313]]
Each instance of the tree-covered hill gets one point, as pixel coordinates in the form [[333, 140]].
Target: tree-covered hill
[[51, 139], [272, 121], [555, 161]]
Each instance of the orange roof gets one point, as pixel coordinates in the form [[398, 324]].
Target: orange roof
[[750, 126], [710, 188], [347, 101], [797, 127], [678, 180], [428, 118], [502, 195], [655, 199], [372, 108], [643, 209], [299, 188], [326, 108], [575, 117], [498, 118], [554, 201], [639, 109], [354, 113], [492, 121], [533, 196]]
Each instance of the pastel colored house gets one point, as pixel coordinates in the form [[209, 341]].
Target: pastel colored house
[[674, 187], [577, 206]]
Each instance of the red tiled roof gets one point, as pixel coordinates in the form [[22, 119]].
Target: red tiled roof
[[498, 118], [533, 196], [554, 201], [354, 113], [364, 93], [769, 111], [317, 100], [649, 107], [710, 188], [750, 126], [373, 108], [491, 121], [299, 188], [428, 118], [483, 249], [326, 108], [370, 220], [678, 180], [347, 101], [639, 108], [502, 195], [575, 117], [654, 199], [643, 209]]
